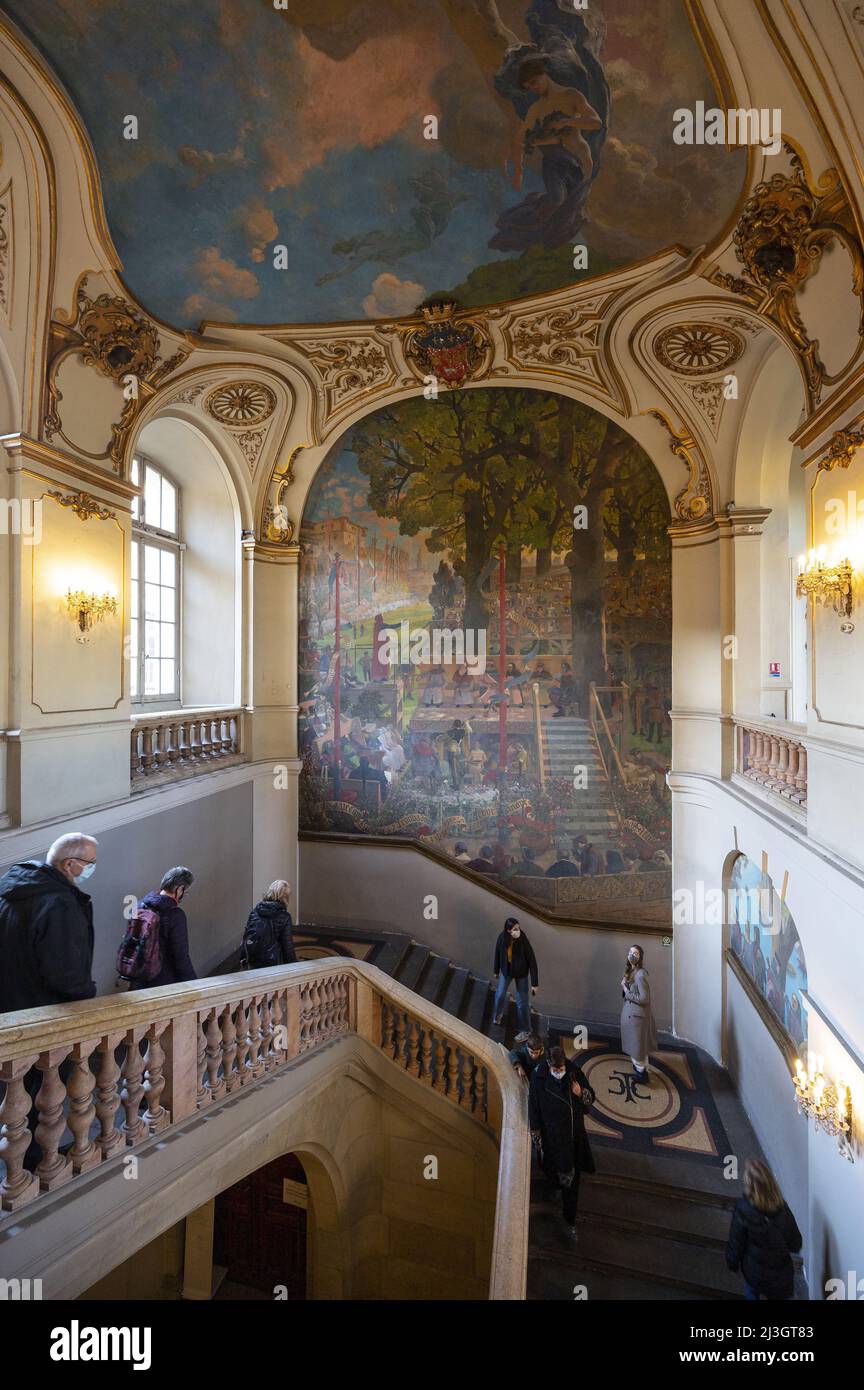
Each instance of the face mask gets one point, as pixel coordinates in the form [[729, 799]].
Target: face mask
[[557, 1074], [516, 934], [633, 957], [87, 872]]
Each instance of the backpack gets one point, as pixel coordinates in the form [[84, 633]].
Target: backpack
[[139, 958], [260, 945]]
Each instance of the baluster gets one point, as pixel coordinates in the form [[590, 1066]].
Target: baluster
[[145, 733], [280, 1027], [157, 749], [136, 764], [465, 1082], [268, 1056], [783, 759], [182, 744], [426, 1056], [256, 1060], [793, 764], [170, 754], [82, 1112], [415, 1034], [194, 742], [132, 1089], [213, 1053], [436, 1062], [452, 1070], [156, 1117], [224, 735], [484, 1093], [109, 1138], [54, 1168], [232, 734], [399, 1054], [203, 1088], [18, 1187], [242, 1044], [229, 1048], [801, 775], [206, 746]]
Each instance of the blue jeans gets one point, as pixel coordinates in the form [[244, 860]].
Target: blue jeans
[[523, 1007]]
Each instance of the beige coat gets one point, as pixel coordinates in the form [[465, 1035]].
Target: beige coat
[[638, 1033]]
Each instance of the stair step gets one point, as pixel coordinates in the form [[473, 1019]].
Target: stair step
[[394, 952], [412, 966], [475, 1003], [432, 983], [557, 1277], [454, 990], [613, 1207]]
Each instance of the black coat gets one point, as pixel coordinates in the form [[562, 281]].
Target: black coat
[[560, 1118], [174, 939], [520, 1057], [524, 961], [278, 919], [46, 938], [761, 1244]]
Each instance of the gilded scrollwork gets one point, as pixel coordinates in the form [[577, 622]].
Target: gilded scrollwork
[[842, 448], [83, 505], [695, 502], [5, 251], [117, 340], [346, 368], [276, 526]]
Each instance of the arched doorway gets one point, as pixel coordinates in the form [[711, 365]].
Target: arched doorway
[[260, 1232]]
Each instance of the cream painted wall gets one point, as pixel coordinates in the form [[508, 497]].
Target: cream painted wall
[[826, 898], [384, 888]]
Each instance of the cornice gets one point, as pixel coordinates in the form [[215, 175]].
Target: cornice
[[22, 448]]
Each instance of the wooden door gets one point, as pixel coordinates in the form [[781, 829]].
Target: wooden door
[[259, 1236]]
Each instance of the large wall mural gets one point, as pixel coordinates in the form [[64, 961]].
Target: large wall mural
[[306, 127], [432, 528], [764, 938]]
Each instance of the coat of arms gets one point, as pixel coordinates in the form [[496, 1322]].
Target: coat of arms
[[448, 348]]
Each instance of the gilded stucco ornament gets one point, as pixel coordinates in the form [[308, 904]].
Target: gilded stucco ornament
[[780, 237], [83, 505], [697, 349], [842, 447], [695, 502], [243, 403], [348, 368], [117, 340], [276, 526]]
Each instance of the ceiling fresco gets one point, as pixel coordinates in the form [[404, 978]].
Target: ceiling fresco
[[308, 128]]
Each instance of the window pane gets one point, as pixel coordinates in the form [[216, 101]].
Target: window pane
[[151, 677], [169, 567], [166, 642], [167, 685], [151, 639], [135, 550], [167, 605], [136, 478], [133, 658], [151, 600], [152, 497], [151, 564], [135, 598], [169, 506]]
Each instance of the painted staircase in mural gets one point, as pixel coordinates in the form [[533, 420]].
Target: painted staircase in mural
[[651, 1226], [567, 744]]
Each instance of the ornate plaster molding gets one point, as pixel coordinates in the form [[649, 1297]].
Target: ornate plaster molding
[[83, 505], [695, 502]]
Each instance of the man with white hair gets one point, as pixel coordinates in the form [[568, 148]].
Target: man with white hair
[[46, 927]]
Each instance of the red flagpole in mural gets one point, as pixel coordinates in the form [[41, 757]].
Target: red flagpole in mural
[[337, 703], [502, 674]]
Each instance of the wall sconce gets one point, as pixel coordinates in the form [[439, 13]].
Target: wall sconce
[[827, 583], [86, 609], [826, 1103]]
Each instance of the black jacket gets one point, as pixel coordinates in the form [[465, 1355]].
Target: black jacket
[[560, 1118], [524, 961], [174, 938], [46, 939], [520, 1057], [278, 919], [761, 1245]]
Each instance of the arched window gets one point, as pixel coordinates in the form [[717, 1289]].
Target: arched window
[[156, 565]]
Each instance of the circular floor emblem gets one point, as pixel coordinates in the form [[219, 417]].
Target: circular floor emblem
[[621, 1097]]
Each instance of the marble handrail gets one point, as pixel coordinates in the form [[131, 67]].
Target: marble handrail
[[208, 1039], [182, 743]]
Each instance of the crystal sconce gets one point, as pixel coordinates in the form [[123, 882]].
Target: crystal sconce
[[827, 583], [825, 1102], [86, 609]]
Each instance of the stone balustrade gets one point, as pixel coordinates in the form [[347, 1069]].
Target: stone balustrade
[[774, 759], [167, 747], [113, 1072]]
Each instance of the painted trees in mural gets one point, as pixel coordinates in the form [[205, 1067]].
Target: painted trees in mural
[[407, 522]]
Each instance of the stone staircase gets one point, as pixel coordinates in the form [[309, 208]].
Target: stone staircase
[[649, 1226], [568, 743]]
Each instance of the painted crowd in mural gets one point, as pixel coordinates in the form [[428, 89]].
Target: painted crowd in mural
[[432, 528]]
